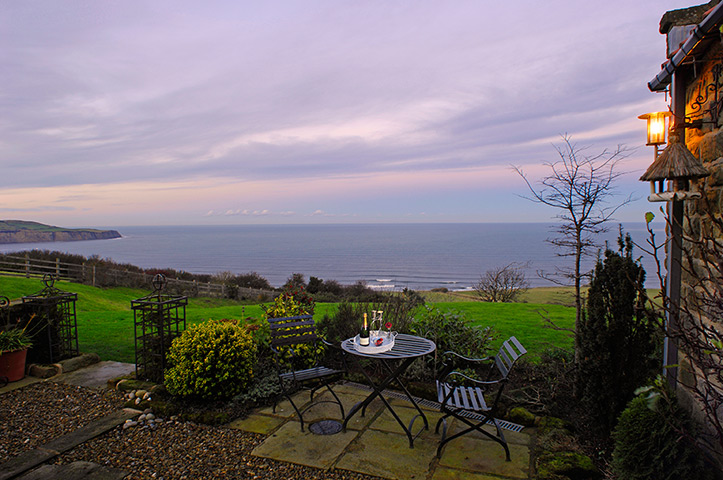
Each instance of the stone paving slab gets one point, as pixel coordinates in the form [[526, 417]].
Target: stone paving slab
[[290, 444], [326, 410], [486, 456], [442, 473], [257, 423], [388, 455], [519, 438], [388, 423], [96, 375]]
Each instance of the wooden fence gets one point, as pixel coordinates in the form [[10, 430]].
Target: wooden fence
[[99, 276]]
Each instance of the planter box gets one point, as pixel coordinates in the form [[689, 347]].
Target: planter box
[[12, 364]]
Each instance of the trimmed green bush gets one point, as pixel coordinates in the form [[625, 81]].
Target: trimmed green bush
[[648, 442], [212, 360]]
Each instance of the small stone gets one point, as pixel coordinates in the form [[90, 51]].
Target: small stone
[[131, 395], [147, 396], [140, 393], [150, 416], [129, 424], [141, 417], [138, 401], [147, 410]]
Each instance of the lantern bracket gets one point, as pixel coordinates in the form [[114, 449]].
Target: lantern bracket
[[711, 95]]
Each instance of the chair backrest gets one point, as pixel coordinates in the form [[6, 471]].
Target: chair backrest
[[292, 330], [510, 351]]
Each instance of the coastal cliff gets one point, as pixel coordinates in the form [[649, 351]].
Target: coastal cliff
[[20, 231]]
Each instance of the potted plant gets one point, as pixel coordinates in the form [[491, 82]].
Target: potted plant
[[14, 344]]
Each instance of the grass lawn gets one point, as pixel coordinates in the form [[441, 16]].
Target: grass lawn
[[105, 318], [523, 320]]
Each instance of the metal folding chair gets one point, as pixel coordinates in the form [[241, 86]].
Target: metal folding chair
[[297, 350], [473, 401]]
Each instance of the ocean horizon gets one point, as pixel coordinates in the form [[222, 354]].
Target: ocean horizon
[[419, 256]]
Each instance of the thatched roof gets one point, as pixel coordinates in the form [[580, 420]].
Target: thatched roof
[[675, 161]]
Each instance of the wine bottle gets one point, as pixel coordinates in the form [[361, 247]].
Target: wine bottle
[[364, 334]]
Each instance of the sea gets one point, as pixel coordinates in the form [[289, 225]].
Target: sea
[[384, 256]]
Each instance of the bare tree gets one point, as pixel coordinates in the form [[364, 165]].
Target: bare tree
[[502, 284], [580, 187]]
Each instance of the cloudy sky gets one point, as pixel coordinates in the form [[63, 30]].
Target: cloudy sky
[[229, 112]]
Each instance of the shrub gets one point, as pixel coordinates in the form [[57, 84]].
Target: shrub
[[212, 360], [291, 303], [398, 309], [450, 331], [649, 443], [615, 337], [344, 323]]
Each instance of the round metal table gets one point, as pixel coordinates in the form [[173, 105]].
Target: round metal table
[[406, 349]]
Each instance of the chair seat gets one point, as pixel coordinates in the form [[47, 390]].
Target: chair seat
[[466, 398], [310, 374]]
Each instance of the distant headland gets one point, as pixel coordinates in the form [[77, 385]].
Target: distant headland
[[21, 231]]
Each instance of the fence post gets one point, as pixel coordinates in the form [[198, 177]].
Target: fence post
[[57, 268], [27, 266], [93, 276]]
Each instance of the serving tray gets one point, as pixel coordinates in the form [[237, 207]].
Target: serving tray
[[387, 342]]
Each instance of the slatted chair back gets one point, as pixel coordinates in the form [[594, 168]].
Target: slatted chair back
[[510, 351], [287, 331]]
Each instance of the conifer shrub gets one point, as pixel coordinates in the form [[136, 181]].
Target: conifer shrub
[[650, 439], [212, 360], [616, 337]]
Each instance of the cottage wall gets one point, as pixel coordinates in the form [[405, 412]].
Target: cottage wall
[[702, 266]]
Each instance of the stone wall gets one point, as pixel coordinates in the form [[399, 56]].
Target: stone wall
[[702, 264]]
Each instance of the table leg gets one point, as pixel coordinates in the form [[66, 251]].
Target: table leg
[[377, 392], [411, 399]]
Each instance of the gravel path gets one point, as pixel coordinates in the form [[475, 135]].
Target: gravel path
[[34, 415]]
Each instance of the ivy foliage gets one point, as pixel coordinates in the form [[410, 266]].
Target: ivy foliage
[[212, 360]]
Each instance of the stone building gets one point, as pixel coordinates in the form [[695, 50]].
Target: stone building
[[692, 77]]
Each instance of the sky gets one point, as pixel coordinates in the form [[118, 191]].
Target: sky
[[244, 112]]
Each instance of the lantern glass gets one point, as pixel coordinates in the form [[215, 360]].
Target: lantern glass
[[656, 127]]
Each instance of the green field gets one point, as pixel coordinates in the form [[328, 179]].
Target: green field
[[105, 318]]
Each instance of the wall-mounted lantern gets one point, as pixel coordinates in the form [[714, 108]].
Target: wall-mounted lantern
[[656, 127]]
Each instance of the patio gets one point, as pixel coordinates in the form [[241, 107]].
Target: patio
[[375, 444]]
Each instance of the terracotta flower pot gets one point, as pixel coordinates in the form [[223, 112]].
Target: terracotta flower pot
[[12, 364]]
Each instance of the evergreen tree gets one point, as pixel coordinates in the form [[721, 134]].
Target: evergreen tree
[[615, 337]]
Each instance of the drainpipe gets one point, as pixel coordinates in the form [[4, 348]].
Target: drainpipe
[[674, 254]]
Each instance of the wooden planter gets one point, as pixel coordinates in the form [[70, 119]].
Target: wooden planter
[[12, 364]]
